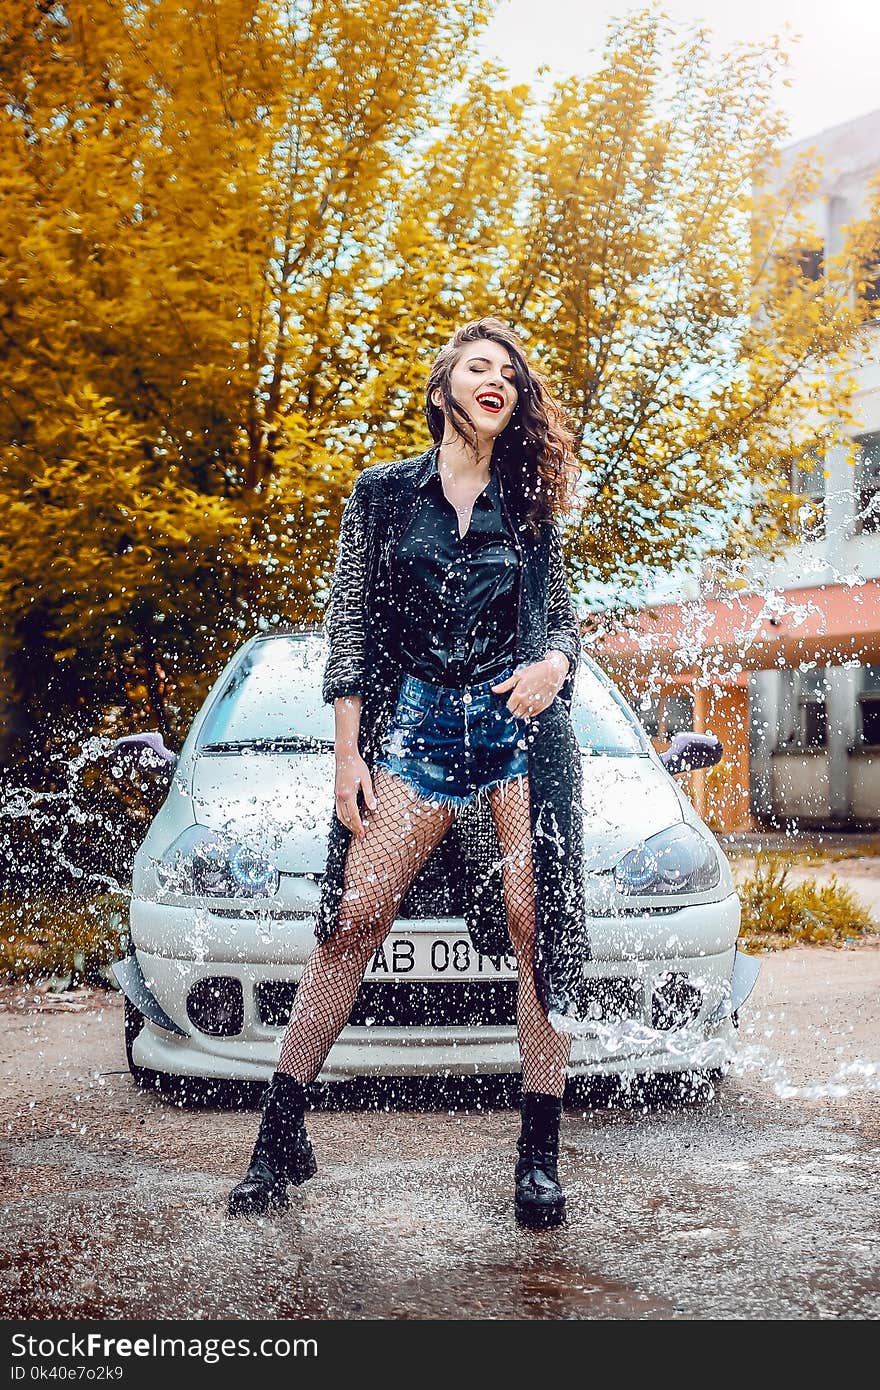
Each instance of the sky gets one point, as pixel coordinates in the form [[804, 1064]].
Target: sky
[[833, 68]]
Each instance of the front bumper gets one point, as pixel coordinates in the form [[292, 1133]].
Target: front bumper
[[177, 947]]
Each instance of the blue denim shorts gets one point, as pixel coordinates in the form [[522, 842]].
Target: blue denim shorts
[[451, 744]]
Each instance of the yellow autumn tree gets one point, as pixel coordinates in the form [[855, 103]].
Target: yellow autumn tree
[[195, 198], [234, 234], [663, 276]]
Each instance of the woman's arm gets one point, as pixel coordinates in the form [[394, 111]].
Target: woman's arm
[[345, 626], [563, 628], [352, 774], [533, 688], [345, 622]]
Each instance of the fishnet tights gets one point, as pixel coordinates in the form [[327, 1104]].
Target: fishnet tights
[[544, 1052], [401, 834]]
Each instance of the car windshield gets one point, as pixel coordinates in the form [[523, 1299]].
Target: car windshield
[[272, 702], [603, 721]]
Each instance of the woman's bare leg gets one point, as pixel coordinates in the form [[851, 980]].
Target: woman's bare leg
[[544, 1052], [401, 834]]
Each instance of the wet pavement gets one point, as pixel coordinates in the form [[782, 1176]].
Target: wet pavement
[[761, 1201]]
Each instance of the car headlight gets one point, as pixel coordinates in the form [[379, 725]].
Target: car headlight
[[677, 860], [203, 863]]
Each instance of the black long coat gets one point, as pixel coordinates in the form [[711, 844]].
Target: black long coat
[[363, 660]]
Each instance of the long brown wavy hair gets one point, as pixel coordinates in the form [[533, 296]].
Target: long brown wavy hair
[[535, 450]]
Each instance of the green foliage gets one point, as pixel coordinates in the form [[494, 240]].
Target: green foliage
[[778, 913]]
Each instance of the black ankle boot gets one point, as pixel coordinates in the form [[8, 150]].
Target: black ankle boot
[[282, 1153], [539, 1199]]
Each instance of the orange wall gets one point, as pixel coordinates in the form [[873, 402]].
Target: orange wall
[[720, 794]]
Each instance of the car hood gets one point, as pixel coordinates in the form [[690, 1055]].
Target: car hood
[[625, 800], [282, 804]]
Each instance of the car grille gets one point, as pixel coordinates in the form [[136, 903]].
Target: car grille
[[448, 1003], [610, 1000], [215, 1005], [675, 1002], [407, 1003]]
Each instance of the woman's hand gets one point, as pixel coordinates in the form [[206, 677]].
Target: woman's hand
[[535, 687], [352, 776]]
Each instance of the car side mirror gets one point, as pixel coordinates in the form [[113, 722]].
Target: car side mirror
[[689, 751], [152, 741]]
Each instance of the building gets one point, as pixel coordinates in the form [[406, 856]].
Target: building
[[788, 673], [815, 726]]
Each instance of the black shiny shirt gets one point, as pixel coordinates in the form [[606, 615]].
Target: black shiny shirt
[[456, 595]]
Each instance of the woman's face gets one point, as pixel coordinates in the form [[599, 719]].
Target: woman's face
[[483, 383]]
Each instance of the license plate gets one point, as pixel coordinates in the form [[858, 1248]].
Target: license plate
[[437, 958]]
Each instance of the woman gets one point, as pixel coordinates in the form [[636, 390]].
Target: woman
[[453, 648]]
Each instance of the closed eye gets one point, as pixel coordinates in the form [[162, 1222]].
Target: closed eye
[[508, 373]]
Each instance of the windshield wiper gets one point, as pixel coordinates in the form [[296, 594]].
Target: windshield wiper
[[270, 745]]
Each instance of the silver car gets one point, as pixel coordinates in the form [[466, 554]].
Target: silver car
[[226, 882]]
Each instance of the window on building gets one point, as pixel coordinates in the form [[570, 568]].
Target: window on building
[[868, 483], [649, 714], [869, 706], [804, 710], [677, 716], [868, 281], [808, 484], [813, 709], [671, 713], [810, 261]]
